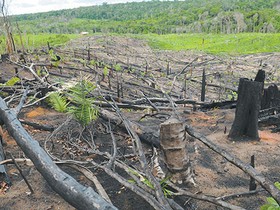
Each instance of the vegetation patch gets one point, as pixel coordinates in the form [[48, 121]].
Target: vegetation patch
[[243, 43], [33, 41]]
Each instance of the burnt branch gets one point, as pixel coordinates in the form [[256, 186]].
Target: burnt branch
[[263, 181], [79, 196]]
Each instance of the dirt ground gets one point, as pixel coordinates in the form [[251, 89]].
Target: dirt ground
[[214, 176]]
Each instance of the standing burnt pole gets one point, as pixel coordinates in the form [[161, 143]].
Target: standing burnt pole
[[203, 86], [245, 125]]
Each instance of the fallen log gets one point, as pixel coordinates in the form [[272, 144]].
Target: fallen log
[[270, 119], [3, 172], [252, 172], [37, 126], [67, 187], [220, 104], [130, 106], [146, 134]]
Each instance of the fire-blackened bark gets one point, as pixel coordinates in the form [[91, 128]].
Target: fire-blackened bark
[[245, 125], [271, 97], [67, 187]]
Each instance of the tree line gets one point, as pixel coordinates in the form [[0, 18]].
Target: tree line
[[162, 17]]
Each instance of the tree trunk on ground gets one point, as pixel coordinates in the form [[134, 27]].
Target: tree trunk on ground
[[146, 134], [245, 125], [173, 143], [67, 187], [3, 172], [262, 180]]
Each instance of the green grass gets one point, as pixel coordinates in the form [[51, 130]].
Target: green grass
[[233, 44], [31, 41], [244, 43]]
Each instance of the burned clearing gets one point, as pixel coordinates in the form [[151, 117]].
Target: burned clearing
[[138, 89]]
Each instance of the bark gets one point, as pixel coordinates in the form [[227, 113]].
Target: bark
[[142, 159], [77, 195], [271, 97], [203, 84], [260, 77], [245, 125], [3, 172], [173, 143], [146, 134], [37, 126], [221, 105]]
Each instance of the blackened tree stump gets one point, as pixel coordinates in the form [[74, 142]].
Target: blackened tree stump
[[245, 125], [271, 97]]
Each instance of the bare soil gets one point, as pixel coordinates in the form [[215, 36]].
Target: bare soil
[[213, 174]]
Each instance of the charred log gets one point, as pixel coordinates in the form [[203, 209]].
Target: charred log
[[79, 196], [145, 134], [4, 178]]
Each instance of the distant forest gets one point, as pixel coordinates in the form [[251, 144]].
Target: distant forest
[[161, 17]]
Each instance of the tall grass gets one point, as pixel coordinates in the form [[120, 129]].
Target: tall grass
[[243, 43], [32, 41]]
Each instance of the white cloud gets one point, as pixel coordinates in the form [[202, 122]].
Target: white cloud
[[33, 6]]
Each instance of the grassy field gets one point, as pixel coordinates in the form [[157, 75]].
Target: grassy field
[[31, 41], [236, 44], [233, 44]]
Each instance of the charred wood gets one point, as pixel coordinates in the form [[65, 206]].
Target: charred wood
[[79, 196], [3, 172], [37, 126], [271, 97], [146, 134], [252, 172], [260, 77], [245, 125]]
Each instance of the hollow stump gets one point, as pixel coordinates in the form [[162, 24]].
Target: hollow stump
[[245, 125], [173, 142]]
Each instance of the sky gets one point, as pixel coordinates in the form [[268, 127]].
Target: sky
[[33, 6]]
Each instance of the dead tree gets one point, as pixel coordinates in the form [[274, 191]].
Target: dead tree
[[173, 143], [271, 97], [245, 125], [10, 45]]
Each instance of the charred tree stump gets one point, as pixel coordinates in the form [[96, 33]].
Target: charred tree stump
[[245, 125], [173, 143], [271, 97]]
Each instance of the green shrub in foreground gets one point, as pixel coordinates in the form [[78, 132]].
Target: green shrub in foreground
[[271, 202]]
